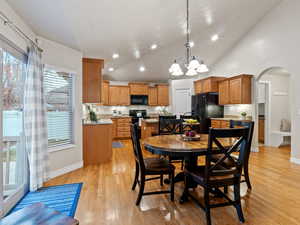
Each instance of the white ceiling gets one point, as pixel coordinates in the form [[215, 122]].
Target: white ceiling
[[100, 28]]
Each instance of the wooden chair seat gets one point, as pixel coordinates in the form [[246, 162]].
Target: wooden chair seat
[[226, 163], [198, 175], [158, 165]]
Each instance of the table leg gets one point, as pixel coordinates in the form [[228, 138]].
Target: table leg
[[190, 163]]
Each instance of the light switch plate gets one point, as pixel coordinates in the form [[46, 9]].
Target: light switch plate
[[298, 112]]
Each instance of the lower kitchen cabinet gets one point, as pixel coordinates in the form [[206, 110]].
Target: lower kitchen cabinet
[[121, 127], [220, 123], [97, 143]]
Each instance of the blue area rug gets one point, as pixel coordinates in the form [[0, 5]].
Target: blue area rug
[[62, 198], [117, 145]]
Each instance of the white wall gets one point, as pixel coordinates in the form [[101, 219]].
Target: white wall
[[63, 57], [272, 42], [279, 102], [59, 56]]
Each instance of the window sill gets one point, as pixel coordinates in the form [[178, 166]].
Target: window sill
[[60, 148]]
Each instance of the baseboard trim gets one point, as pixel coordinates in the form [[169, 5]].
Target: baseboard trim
[[295, 160], [66, 169]]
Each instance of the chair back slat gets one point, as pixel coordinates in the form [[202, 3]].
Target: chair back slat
[[239, 140], [137, 146], [250, 125], [169, 125]]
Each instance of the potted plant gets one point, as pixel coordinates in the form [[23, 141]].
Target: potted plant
[[244, 115], [92, 114]]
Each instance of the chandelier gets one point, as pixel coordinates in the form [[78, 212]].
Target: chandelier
[[191, 66]]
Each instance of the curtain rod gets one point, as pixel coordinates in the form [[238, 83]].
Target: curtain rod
[[14, 27]]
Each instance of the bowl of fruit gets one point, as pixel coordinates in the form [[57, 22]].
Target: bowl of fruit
[[190, 136], [191, 121]]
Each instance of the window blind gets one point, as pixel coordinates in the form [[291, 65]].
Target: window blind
[[58, 92]]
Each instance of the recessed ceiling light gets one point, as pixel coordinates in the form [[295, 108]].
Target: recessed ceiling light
[[154, 46], [215, 37], [142, 68], [115, 55], [111, 69], [192, 44]]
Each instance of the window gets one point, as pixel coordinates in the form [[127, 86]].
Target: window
[[12, 152], [59, 98]]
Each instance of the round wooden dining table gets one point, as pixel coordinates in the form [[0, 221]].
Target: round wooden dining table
[[174, 145]]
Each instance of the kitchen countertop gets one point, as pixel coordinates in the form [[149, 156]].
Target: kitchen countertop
[[231, 118], [99, 122], [150, 120]]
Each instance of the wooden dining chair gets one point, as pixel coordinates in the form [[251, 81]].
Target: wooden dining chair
[[149, 167], [170, 125], [214, 175], [227, 164]]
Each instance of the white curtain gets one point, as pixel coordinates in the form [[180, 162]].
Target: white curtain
[[35, 121]]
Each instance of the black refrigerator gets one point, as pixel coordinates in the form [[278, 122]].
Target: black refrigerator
[[204, 107]]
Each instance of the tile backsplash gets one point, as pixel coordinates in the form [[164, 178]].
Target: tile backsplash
[[107, 110], [236, 110]]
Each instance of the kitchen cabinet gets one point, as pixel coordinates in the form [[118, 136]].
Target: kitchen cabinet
[[240, 89], [220, 123], [152, 97], [138, 88], [224, 92], [121, 127], [119, 95], [114, 127], [261, 130], [97, 143], [149, 128], [198, 86], [114, 94], [92, 79], [124, 98], [206, 85], [105, 92], [236, 90], [163, 95]]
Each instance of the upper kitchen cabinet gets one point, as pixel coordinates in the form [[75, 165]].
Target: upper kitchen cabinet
[[92, 79], [124, 95], [105, 92], [163, 94], [206, 85], [152, 97], [235, 90], [138, 88], [198, 86], [224, 92], [119, 95]]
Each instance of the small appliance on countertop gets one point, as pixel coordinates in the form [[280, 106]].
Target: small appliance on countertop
[[137, 114]]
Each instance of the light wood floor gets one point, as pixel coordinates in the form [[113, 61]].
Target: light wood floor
[[107, 199]]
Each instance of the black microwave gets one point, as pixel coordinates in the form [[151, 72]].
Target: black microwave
[[139, 100]]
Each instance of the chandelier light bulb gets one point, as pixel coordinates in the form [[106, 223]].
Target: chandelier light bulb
[[202, 68]]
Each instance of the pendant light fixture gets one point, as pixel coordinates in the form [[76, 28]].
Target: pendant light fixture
[[192, 65]]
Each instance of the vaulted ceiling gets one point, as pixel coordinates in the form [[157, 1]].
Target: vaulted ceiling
[[100, 28]]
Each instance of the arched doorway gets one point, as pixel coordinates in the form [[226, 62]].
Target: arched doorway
[[273, 107]]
